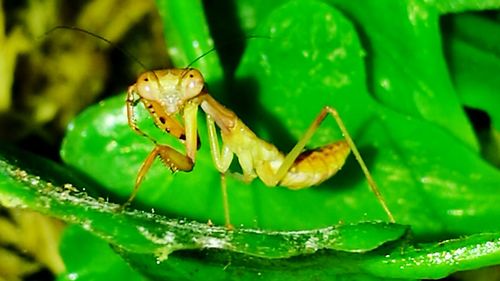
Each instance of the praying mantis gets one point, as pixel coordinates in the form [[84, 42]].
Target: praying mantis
[[178, 93], [181, 92]]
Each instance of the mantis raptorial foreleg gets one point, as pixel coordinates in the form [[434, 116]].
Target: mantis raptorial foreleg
[[173, 159], [131, 103]]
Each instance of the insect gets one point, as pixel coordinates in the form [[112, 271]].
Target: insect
[[169, 93], [180, 92]]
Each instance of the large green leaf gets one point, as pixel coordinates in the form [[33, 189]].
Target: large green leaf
[[172, 249], [405, 58], [404, 55]]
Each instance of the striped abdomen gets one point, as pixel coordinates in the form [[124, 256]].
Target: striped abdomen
[[312, 167]]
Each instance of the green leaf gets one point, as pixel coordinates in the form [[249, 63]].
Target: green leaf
[[474, 61], [405, 59], [416, 160], [187, 34], [162, 248], [457, 6], [404, 55], [95, 261]]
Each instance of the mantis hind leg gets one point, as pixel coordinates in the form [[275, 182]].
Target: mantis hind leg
[[173, 159], [292, 156]]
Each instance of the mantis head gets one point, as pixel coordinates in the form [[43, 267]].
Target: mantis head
[[172, 88]]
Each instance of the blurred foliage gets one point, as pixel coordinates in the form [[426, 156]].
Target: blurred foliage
[[29, 243], [47, 78]]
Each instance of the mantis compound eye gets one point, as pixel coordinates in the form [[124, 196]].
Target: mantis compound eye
[[147, 86], [192, 83]]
